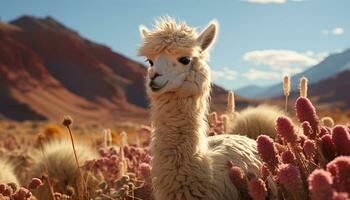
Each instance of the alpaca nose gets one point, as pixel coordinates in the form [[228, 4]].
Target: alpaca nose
[[155, 75], [150, 72]]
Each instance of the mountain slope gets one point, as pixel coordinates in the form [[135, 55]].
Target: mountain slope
[[249, 91], [332, 90], [29, 91], [48, 70], [72, 61]]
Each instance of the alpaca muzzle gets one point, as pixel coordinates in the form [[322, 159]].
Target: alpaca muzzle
[[154, 87]]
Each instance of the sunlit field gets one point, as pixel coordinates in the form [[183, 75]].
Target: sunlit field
[[174, 100], [306, 156]]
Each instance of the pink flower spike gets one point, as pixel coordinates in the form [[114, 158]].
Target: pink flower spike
[[327, 146], [8, 191], [320, 185], [267, 151], [230, 164], [35, 183], [57, 195], [307, 130], [22, 194], [264, 170], [302, 139], [305, 111], [257, 189], [288, 157], [341, 139], [340, 170], [324, 131], [340, 196], [145, 170], [286, 129], [289, 176], [309, 148], [2, 187], [102, 152], [236, 175]]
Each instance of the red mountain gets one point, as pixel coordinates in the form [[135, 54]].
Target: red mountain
[[333, 90], [48, 70]]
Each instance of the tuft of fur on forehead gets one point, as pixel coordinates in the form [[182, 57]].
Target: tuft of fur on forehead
[[170, 37]]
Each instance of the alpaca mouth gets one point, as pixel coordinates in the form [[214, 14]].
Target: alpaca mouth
[[155, 87]]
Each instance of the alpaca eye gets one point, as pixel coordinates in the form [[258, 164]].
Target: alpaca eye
[[184, 60], [150, 62]]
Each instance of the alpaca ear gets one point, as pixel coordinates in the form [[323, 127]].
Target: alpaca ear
[[208, 35], [143, 31]]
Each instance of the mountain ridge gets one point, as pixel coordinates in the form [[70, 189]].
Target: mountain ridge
[[330, 66], [49, 70]]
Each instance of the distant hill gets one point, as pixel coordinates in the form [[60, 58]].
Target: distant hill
[[48, 70], [330, 66], [249, 91], [331, 92]]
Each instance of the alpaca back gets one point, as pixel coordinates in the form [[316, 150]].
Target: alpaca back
[[61, 165], [254, 121], [7, 174]]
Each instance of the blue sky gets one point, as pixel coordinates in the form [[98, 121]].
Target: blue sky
[[259, 40]]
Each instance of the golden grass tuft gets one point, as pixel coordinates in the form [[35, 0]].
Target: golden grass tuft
[[7, 174], [327, 121], [254, 121], [52, 131], [230, 103], [303, 87], [286, 91], [61, 163]]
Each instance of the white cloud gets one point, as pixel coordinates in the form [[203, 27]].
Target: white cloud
[[334, 31], [282, 60], [266, 1], [271, 1], [254, 74], [224, 73], [338, 31], [325, 32]]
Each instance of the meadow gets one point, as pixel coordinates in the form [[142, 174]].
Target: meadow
[[104, 161], [307, 158], [131, 100]]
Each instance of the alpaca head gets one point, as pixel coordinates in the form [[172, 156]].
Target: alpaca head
[[176, 54]]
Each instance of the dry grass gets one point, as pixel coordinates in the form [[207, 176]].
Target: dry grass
[[18, 145], [20, 148]]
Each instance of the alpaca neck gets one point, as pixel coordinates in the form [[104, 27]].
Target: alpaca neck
[[179, 126]]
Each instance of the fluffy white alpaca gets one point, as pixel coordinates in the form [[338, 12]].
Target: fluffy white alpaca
[[186, 163], [7, 174]]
